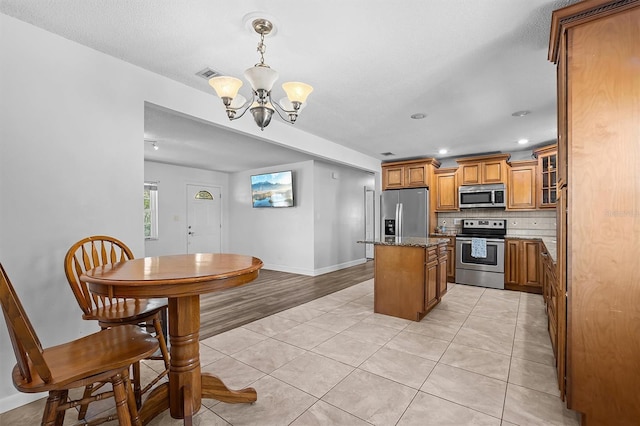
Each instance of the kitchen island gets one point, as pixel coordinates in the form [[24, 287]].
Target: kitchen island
[[410, 275]]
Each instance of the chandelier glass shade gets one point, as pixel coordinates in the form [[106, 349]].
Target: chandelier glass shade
[[261, 77]]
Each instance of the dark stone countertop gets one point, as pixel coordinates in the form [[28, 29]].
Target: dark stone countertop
[[407, 241]]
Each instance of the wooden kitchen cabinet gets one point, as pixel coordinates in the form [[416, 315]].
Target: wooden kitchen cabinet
[[450, 250], [446, 187], [554, 299], [406, 279], [547, 176], [483, 169], [443, 269], [552, 295], [561, 285], [393, 177], [521, 185], [408, 174], [431, 282], [522, 265], [595, 44]]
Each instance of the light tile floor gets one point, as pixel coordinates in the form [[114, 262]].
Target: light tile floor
[[481, 357]]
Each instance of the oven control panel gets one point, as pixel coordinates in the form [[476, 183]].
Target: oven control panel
[[497, 224]]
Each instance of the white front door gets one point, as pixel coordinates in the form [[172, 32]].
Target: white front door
[[204, 219]]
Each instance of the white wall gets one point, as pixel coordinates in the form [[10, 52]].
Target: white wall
[[339, 216], [281, 237], [71, 165], [172, 205], [316, 236]]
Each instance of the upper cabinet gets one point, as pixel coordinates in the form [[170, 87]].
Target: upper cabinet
[[408, 174], [446, 187], [521, 185], [547, 175], [483, 169]]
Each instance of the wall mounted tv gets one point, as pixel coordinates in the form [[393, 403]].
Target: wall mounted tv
[[272, 189]]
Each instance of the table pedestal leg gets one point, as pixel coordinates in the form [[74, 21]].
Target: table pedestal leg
[[184, 369], [187, 386]]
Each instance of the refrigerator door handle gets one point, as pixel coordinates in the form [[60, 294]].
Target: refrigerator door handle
[[399, 224]]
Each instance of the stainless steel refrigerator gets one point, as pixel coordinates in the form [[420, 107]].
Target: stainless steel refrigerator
[[405, 212]]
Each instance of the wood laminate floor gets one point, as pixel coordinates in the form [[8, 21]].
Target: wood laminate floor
[[270, 293]]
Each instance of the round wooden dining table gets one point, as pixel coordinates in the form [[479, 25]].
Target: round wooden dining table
[[181, 279]]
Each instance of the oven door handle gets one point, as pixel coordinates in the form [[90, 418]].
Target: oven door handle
[[489, 239]]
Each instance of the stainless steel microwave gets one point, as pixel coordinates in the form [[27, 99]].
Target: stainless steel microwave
[[479, 196]]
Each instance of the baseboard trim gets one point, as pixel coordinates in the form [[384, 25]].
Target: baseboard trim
[[339, 266], [313, 272]]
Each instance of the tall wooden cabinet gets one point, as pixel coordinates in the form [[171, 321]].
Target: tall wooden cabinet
[[596, 46]]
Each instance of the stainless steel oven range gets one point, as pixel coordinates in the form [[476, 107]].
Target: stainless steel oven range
[[480, 253]]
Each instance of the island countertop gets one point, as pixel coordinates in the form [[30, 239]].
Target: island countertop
[[407, 241]]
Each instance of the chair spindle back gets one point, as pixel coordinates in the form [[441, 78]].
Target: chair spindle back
[[87, 254]]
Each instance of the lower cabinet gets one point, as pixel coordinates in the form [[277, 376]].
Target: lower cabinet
[[450, 250], [522, 265], [443, 268], [552, 305], [408, 280], [555, 301], [451, 261], [431, 284]]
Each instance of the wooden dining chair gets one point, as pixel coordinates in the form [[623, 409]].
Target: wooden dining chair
[[104, 356], [99, 250]]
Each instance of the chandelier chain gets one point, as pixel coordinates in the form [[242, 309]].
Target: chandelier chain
[[261, 48]]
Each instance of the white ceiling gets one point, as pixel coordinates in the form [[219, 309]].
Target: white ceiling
[[467, 64]]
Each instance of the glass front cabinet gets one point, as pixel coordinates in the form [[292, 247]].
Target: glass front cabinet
[[547, 176]]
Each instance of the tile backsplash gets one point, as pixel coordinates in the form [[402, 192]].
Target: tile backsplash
[[536, 223]]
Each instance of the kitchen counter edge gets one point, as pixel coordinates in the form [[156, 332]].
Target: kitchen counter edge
[[407, 241]]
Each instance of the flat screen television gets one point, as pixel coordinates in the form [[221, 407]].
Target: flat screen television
[[272, 189]]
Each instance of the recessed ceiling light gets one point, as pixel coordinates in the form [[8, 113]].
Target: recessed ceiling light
[[387, 154], [418, 115], [521, 113], [523, 141], [442, 151]]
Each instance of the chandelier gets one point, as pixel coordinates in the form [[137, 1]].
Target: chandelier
[[261, 77]]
